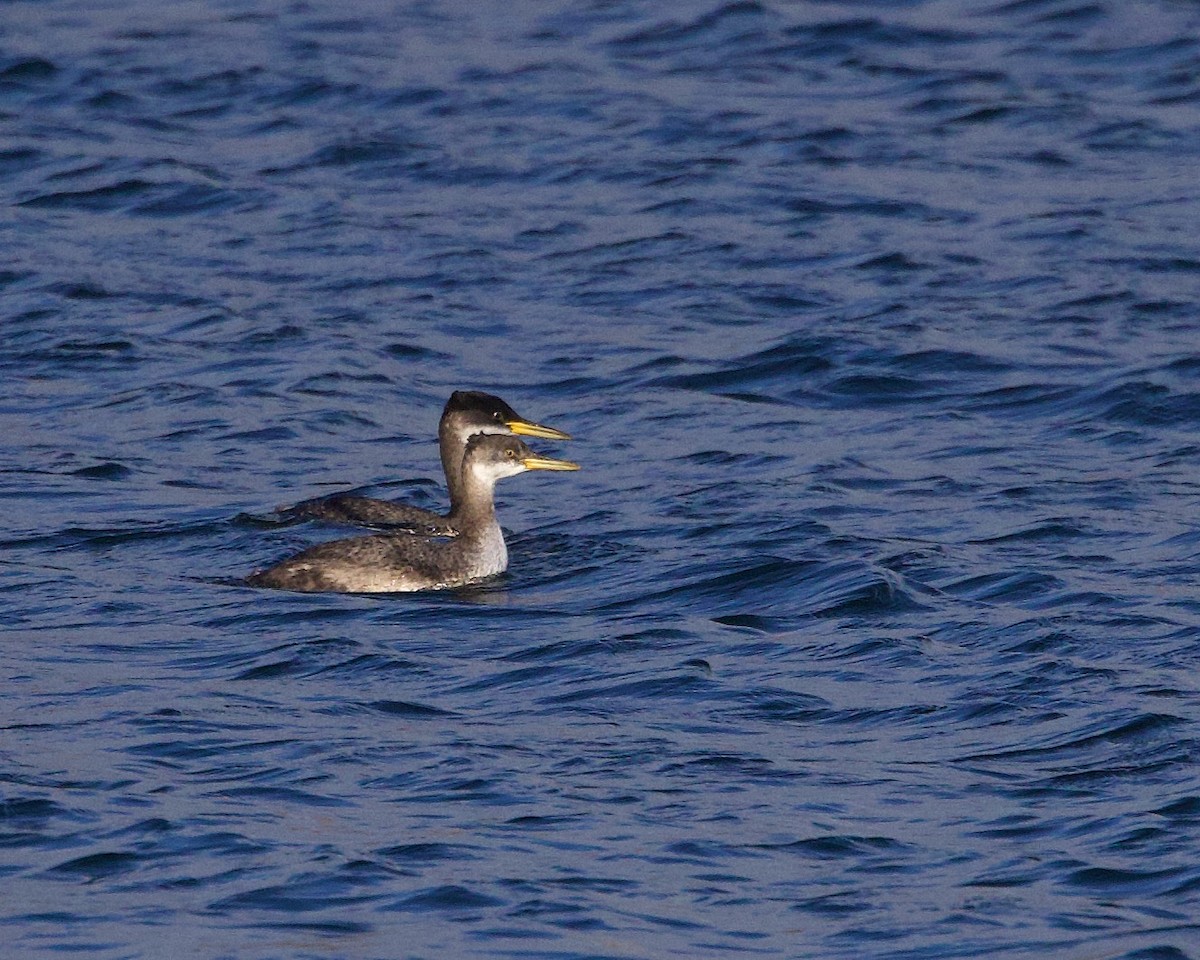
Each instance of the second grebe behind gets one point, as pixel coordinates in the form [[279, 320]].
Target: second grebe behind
[[466, 414]]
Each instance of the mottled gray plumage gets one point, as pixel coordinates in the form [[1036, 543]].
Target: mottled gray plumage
[[466, 414], [400, 562], [359, 511]]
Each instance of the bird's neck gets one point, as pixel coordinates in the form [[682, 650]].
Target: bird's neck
[[451, 447], [475, 507]]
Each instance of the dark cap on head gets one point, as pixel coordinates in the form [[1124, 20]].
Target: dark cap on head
[[477, 402], [468, 410]]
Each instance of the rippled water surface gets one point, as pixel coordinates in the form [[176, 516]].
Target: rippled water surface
[[870, 628]]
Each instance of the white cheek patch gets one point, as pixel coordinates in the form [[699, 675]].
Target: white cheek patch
[[504, 468], [468, 432]]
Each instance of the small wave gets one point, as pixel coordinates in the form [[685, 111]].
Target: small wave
[[30, 68], [1054, 530], [780, 588], [1000, 587], [375, 151], [1136, 729], [112, 196], [737, 16], [450, 898], [13, 810], [407, 710], [282, 795], [1108, 882], [148, 198], [100, 866], [648, 689], [305, 894], [423, 853], [779, 706], [837, 847], [781, 364], [104, 471]]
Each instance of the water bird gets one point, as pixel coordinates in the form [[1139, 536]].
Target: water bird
[[402, 562], [466, 414]]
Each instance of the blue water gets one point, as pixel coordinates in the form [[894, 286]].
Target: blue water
[[871, 627]]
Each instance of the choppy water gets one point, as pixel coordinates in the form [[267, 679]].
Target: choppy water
[[871, 626]]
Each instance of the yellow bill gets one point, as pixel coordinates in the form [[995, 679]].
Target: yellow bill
[[548, 463], [526, 428]]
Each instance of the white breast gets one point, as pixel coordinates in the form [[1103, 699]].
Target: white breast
[[492, 554]]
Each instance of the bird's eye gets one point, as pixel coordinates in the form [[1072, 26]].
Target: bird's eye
[[497, 416], [510, 453]]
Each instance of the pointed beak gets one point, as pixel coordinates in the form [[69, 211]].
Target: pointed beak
[[548, 463], [526, 428]]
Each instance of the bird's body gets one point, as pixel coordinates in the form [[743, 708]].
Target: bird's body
[[357, 511], [389, 563], [467, 413], [399, 562]]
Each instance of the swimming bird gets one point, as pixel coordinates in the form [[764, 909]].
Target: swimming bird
[[467, 413], [402, 562]]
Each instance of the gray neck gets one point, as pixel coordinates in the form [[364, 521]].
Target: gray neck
[[475, 506], [452, 447]]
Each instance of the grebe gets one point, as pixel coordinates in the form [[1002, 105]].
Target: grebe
[[401, 562], [466, 414]]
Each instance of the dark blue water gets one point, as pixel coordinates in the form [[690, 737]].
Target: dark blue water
[[870, 629]]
